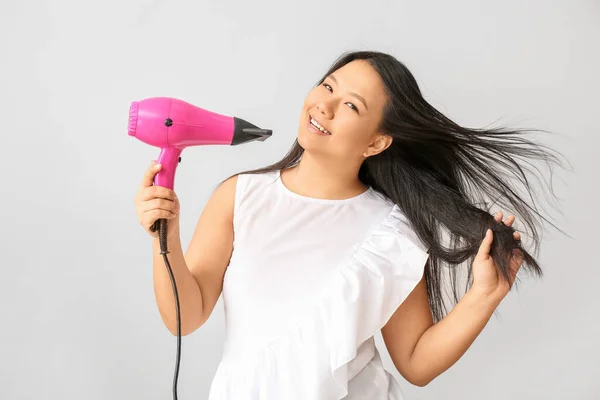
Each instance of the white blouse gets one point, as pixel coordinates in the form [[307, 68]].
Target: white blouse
[[309, 284]]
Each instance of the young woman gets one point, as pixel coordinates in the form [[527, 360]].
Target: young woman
[[346, 236]]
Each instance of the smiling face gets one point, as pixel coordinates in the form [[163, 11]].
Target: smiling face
[[349, 106]]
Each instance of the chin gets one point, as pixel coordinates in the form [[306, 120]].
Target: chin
[[314, 147], [308, 140], [303, 139]]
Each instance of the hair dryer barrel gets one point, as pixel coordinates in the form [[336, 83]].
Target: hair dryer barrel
[[174, 124]]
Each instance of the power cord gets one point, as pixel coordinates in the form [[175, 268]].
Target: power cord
[[162, 226]]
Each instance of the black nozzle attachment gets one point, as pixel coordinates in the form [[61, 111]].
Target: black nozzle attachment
[[245, 132]]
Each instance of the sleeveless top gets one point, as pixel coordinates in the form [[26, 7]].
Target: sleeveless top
[[309, 284]]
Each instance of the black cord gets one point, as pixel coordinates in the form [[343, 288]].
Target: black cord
[[162, 238]]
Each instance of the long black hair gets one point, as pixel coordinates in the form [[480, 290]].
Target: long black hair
[[445, 178]]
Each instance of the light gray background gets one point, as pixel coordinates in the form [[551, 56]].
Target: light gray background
[[79, 319]]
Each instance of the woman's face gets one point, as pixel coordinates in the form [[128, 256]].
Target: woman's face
[[349, 106]]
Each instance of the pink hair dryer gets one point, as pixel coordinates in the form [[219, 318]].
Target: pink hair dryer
[[173, 125]]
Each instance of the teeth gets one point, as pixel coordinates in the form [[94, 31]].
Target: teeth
[[313, 122]]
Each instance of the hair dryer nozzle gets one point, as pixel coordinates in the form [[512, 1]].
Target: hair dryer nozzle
[[245, 132]]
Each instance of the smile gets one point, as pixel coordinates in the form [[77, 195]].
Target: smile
[[316, 128]]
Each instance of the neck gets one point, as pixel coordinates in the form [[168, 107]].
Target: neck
[[316, 178]]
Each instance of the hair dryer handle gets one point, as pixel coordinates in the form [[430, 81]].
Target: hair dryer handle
[[169, 159]]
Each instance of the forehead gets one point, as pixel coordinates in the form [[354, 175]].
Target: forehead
[[360, 77]]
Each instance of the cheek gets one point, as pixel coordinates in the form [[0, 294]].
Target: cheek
[[351, 140], [350, 128]]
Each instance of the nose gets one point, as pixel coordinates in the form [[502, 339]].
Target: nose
[[325, 110]]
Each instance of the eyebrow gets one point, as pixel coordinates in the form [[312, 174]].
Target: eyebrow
[[359, 97]]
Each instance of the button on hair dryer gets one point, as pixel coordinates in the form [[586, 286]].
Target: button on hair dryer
[[173, 125]]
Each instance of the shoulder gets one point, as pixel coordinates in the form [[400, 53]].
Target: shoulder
[[395, 224], [256, 179], [400, 224], [223, 196], [240, 181]]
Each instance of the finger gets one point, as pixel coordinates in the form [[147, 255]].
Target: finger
[[498, 216], [515, 263], [517, 258], [148, 179], [162, 193], [159, 204], [486, 245], [517, 236], [153, 215], [157, 192], [510, 220]]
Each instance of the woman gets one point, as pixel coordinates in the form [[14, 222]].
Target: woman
[[343, 238]]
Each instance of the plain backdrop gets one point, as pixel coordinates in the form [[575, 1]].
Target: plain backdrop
[[77, 307]]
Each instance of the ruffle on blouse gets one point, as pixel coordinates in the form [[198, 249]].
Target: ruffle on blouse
[[314, 359]]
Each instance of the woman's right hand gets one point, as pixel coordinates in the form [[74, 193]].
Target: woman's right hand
[[155, 202]]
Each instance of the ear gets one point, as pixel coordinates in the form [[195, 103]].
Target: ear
[[378, 145]]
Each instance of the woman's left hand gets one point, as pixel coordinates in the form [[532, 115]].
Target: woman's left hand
[[486, 279]]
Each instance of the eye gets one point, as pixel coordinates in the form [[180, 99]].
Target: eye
[[352, 106]]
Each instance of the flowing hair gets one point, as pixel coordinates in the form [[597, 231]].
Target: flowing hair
[[445, 178]]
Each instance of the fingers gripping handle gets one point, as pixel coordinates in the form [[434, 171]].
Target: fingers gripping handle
[[169, 159]]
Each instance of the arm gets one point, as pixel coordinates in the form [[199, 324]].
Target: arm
[[210, 249], [199, 273], [422, 351], [187, 288]]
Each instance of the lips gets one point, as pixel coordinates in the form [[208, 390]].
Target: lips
[[318, 125]]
